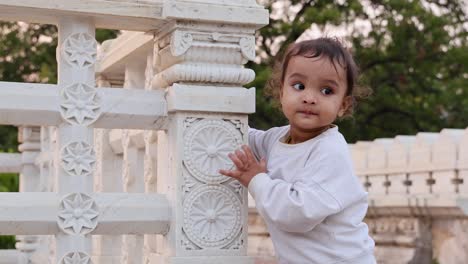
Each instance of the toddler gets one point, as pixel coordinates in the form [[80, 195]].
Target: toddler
[[301, 175]]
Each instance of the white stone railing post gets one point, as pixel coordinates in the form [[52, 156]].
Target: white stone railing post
[[201, 66], [107, 249], [133, 165], [75, 159], [30, 146]]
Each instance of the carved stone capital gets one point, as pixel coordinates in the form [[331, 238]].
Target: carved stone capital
[[204, 54]]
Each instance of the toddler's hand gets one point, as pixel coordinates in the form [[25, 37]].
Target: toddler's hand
[[246, 164]]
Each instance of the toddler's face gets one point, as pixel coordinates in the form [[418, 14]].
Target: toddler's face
[[313, 93]]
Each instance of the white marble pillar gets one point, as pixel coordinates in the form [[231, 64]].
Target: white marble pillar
[[75, 158], [202, 68]]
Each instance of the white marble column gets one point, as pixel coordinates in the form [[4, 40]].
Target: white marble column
[[75, 159], [201, 66]]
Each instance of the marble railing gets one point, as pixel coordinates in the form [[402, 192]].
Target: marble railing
[[426, 168]]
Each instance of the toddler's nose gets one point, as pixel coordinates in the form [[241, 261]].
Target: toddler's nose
[[309, 98]]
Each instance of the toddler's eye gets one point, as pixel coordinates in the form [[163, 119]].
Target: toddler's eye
[[326, 91], [298, 86]]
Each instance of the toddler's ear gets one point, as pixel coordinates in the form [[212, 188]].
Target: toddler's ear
[[346, 106]]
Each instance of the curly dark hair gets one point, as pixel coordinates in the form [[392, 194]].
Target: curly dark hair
[[333, 49]]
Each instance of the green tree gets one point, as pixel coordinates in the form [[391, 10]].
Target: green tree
[[27, 54], [413, 58]]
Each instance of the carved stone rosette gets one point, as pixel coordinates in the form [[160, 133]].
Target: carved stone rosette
[[212, 216], [76, 258], [78, 158], [80, 104], [78, 214], [79, 50], [207, 144]]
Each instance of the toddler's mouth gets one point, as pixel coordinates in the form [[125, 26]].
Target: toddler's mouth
[[307, 112]]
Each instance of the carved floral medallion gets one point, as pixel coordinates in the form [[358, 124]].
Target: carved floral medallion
[[80, 104], [78, 158], [207, 144], [212, 216], [77, 214], [76, 258], [79, 50]]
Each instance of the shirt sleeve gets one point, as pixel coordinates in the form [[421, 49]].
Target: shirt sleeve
[[301, 205], [256, 142]]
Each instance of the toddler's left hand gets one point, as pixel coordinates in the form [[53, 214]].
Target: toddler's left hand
[[246, 164]]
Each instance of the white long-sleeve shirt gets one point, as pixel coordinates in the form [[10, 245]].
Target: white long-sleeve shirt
[[310, 199]]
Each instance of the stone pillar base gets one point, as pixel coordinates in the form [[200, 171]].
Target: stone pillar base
[[158, 259]]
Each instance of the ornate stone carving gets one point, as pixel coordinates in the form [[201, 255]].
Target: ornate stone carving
[[127, 165], [76, 258], [187, 245], [80, 104], [207, 144], [77, 214], [189, 183], [180, 42], [149, 169], [212, 216], [79, 50], [149, 165], [401, 226], [236, 186], [247, 45], [238, 244], [78, 158]]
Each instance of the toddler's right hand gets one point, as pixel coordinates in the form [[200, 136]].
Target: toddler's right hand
[[246, 164]]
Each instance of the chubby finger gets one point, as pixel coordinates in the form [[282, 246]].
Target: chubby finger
[[242, 157], [231, 173], [248, 152], [237, 162]]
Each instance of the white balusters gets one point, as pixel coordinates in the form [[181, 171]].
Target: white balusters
[[421, 165], [398, 161], [444, 161], [377, 164]]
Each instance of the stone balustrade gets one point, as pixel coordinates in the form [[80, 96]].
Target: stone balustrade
[[422, 165], [120, 158]]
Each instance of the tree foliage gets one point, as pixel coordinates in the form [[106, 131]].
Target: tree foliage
[[413, 56]]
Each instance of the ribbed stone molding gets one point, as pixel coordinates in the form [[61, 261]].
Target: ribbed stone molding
[[207, 54]]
